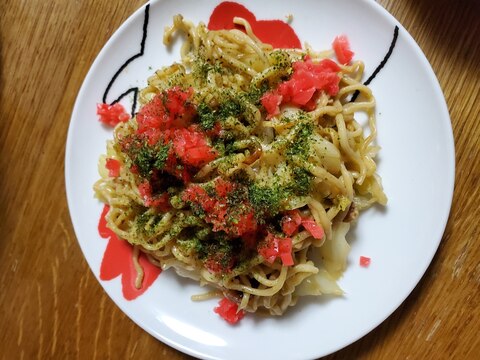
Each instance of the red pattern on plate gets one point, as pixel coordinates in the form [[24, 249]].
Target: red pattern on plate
[[275, 32], [118, 261]]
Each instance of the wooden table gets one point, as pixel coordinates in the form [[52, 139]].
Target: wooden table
[[51, 306]]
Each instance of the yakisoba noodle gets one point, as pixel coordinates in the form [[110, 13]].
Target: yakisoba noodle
[[261, 211]]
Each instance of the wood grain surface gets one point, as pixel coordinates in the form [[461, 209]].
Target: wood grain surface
[[51, 306]]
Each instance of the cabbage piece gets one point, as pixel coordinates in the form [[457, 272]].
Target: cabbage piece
[[318, 284], [370, 191], [334, 251], [328, 154]]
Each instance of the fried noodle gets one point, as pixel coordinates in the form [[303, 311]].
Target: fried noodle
[[317, 161]]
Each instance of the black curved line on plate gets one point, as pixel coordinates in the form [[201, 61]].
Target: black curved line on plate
[[382, 63], [125, 64]]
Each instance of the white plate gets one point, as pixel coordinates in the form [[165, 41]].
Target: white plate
[[416, 164]]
